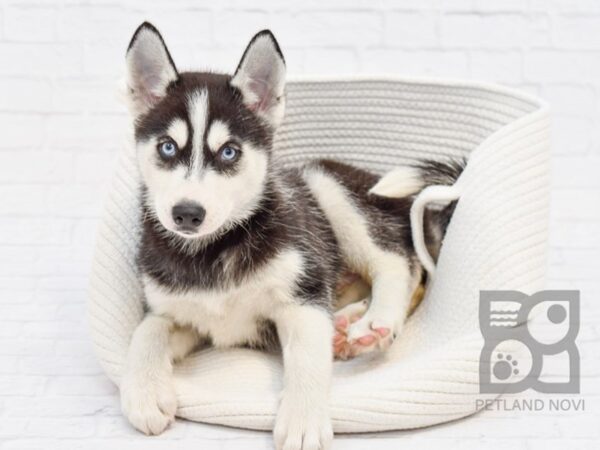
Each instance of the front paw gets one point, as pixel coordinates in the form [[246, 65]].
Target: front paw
[[302, 426], [149, 403]]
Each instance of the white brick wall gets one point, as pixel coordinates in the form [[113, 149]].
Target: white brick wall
[[61, 126]]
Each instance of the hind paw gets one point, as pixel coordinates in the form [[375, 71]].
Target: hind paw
[[342, 321], [356, 333]]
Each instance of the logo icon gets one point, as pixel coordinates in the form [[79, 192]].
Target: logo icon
[[514, 351]]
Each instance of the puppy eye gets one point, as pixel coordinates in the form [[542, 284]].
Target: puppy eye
[[228, 153], [167, 149]]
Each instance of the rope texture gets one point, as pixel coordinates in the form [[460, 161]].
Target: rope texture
[[497, 239]]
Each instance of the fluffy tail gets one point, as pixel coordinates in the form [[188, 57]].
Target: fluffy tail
[[410, 180]]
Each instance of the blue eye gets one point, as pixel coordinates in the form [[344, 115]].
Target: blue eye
[[167, 149], [228, 153]]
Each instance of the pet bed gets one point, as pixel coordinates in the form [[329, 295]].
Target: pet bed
[[497, 239]]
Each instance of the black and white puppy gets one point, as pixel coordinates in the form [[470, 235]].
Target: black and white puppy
[[240, 251]]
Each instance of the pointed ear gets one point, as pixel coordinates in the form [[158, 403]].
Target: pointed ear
[[150, 69], [260, 77]]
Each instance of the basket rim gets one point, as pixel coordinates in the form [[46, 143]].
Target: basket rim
[[426, 80]]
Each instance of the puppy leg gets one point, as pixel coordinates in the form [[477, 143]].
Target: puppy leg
[[182, 341], [393, 284], [147, 395], [350, 288], [303, 421]]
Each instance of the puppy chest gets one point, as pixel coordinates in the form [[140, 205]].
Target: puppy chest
[[234, 315], [229, 318]]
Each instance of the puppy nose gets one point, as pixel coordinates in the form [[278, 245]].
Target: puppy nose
[[188, 215]]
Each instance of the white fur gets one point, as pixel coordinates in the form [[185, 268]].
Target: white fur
[[303, 420], [226, 199], [178, 319], [147, 395], [229, 316], [218, 134], [182, 341], [400, 182], [355, 309], [178, 131], [198, 108], [389, 272]]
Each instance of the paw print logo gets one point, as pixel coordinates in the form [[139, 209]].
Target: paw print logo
[[515, 349], [505, 367]]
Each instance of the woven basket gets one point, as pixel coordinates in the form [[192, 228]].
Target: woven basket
[[497, 239]]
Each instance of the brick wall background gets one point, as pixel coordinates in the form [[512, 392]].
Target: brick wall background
[[61, 127]]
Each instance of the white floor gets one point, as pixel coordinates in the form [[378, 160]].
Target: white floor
[[93, 421]]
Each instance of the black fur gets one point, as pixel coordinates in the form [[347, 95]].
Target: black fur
[[388, 217], [288, 215], [224, 103], [436, 172], [278, 223], [250, 244], [296, 222]]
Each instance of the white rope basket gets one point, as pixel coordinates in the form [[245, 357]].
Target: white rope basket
[[497, 239]]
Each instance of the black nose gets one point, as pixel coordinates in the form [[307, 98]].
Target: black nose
[[188, 215]]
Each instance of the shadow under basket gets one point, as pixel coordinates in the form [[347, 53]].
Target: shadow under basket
[[497, 239]]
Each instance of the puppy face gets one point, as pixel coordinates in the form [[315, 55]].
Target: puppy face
[[203, 140]]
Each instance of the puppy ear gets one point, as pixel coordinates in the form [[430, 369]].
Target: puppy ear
[[150, 69], [260, 76]]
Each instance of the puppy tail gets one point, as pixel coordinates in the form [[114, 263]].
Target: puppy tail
[[400, 182], [410, 180], [404, 182], [443, 173]]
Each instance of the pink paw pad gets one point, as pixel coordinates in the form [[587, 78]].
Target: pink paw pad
[[382, 331], [372, 336], [366, 340], [340, 323], [344, 348]]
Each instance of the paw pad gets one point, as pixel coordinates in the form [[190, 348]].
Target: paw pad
[[505, 367]]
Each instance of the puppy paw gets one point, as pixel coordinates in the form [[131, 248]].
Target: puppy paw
[[358, 333], [299, 427], [368, 334], [149, 403], [342, 349]]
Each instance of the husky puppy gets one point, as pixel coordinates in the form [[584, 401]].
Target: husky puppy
[[242, 252]]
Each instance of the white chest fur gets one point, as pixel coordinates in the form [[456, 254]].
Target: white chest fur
[[231, 316]]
